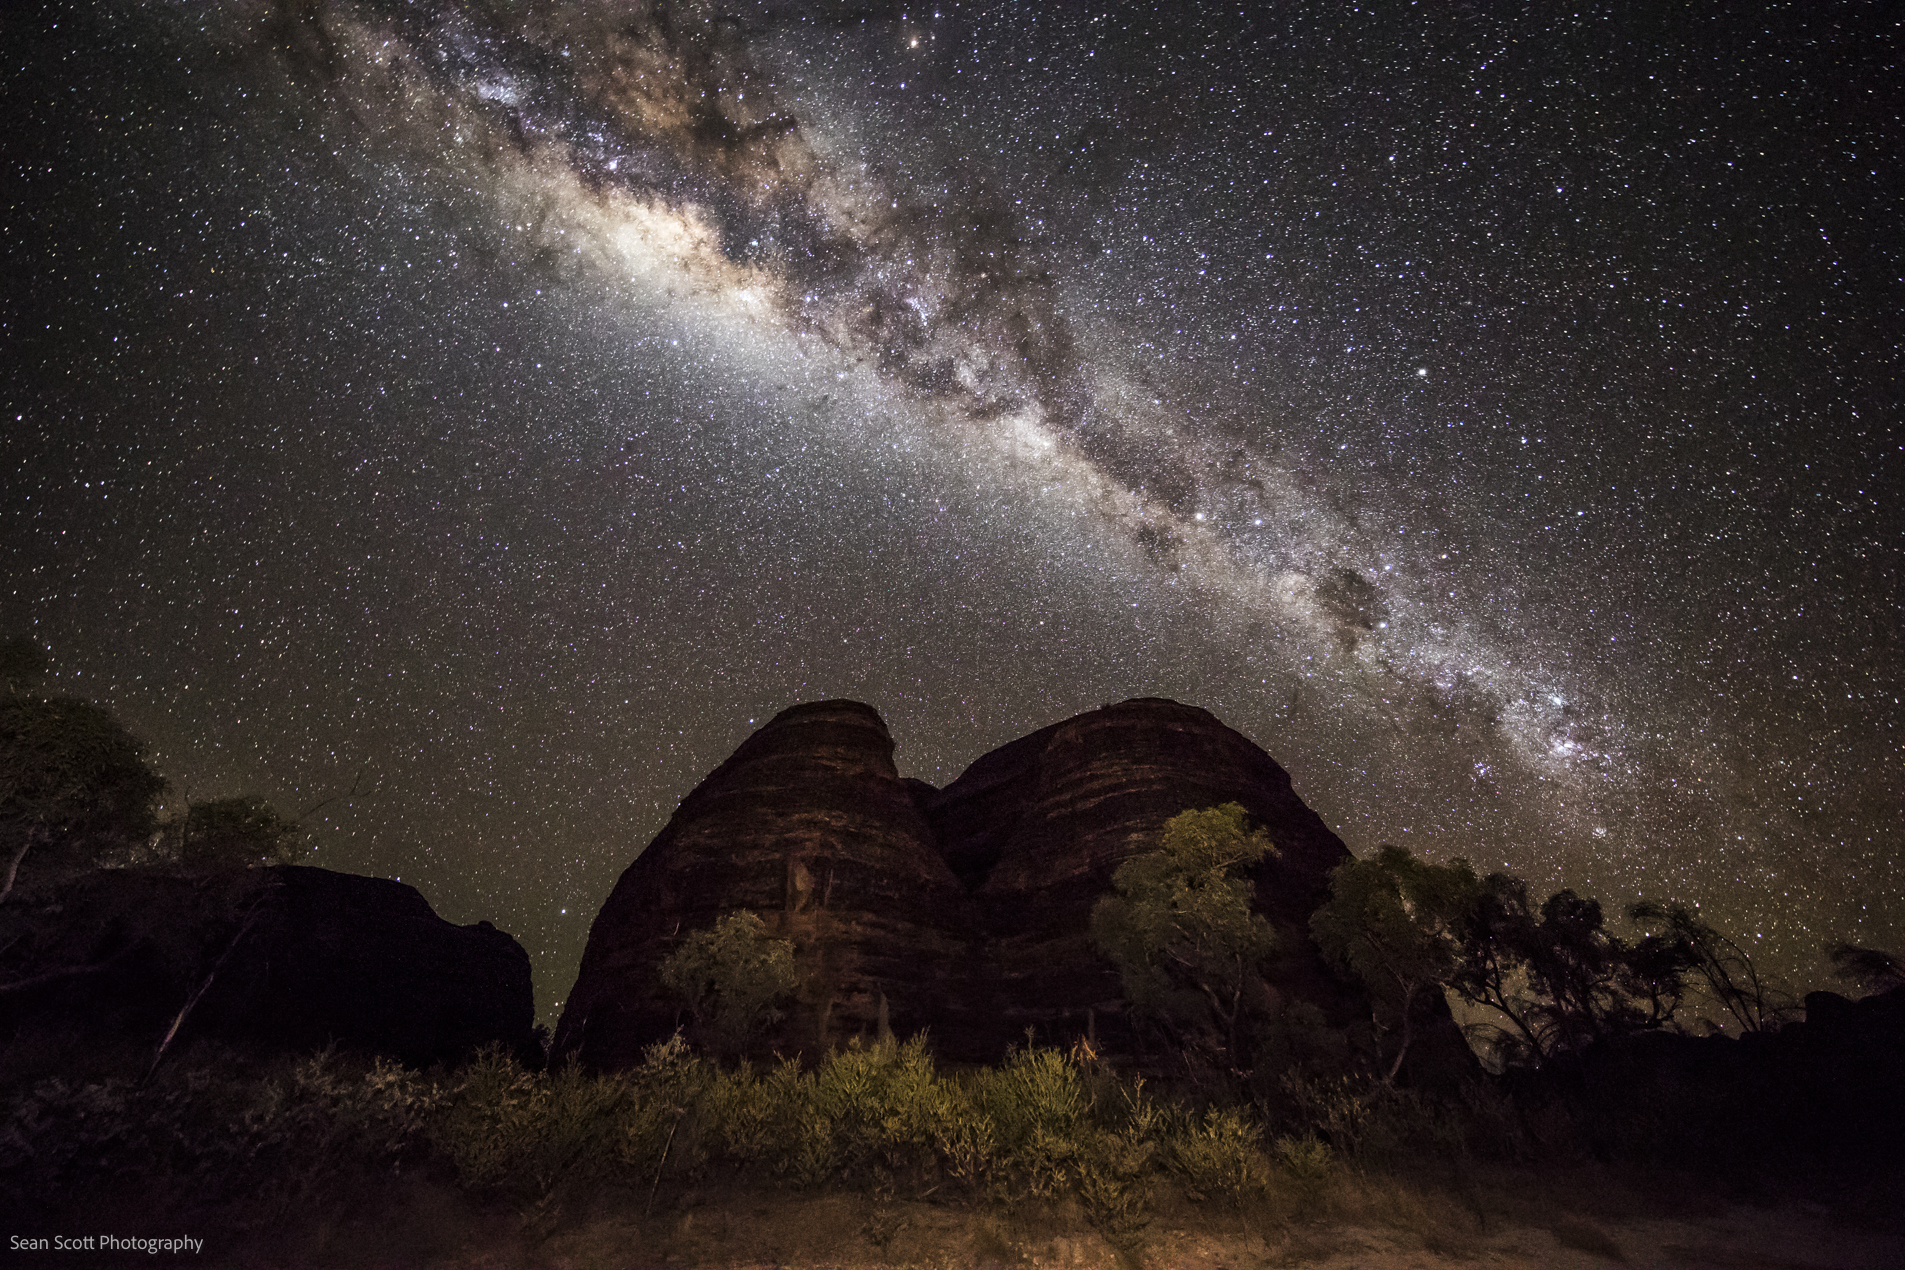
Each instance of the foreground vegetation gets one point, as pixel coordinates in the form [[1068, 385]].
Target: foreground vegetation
[[273, 1150]]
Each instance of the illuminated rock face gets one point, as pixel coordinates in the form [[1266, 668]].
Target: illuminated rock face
[[810, 826], [966, 909]]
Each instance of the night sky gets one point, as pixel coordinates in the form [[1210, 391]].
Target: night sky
[[1491, 410]]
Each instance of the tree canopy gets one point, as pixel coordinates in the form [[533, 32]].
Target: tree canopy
[[1179, 927], [1397, 924], [236, 831], [1873, 969], [1553, 977], [70, 776], [729, 976]]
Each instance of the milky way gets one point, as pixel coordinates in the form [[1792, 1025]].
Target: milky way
[[508, 407]]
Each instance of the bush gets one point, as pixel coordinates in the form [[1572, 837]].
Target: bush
[[258, 1145], [525, 1136], [1220, 1155], [1307, 1166], [273, 1141]]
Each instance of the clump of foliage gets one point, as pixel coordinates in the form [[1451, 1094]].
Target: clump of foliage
[[1396, 924], [1307, 1162], [227, 832], [217, 1136], [71, 776], [1180, 928], [729, 978], [530, 1138], [881, 1118], [1727, 975], [1219, 1154], [1554, 977]]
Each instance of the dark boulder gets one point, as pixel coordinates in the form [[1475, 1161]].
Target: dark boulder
[[1826, 1089], [809, 825], [94, 972]]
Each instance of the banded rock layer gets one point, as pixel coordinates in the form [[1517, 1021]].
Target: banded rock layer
[[1036, 829], [810, 826], [964, 910]]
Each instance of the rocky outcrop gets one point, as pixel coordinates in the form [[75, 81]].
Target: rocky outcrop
[[810, 826], [966, 910], [94, 972]]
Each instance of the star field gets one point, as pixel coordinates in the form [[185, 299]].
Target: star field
[[1494, 414]]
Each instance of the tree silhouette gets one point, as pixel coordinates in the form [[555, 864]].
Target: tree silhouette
[[1730, 977], [236, 831], [70, 776], [1396, 924], [1873, 969]]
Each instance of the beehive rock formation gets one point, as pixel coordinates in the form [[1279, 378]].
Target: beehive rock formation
[[966, 909], [1036, 829], [810, 826]]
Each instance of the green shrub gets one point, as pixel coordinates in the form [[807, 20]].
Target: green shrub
[[1114, 1168], [664, 1121], [1036, 1104], [1307, 1165], [878, 1106], [1335, 1109], [730, 976], [527, 1136], [1220, 1155], [964, 1138]]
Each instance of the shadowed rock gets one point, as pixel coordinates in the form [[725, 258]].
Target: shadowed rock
[[94, 971]]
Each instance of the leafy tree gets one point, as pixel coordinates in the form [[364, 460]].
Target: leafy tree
[[1655, 978], [70, 776], [1396, 924], [1554, 977], [1575, 979], [729, 977], [1581, 969], [1180, 929], [1873, 969], [1727, 972], [1560, 979], [236, 831], [1492, 970]]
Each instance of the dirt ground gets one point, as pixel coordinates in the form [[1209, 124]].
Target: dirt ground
[[1360, 1225], [1548, 1219]]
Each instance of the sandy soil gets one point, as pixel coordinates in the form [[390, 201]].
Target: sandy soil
[[844, 1233]]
